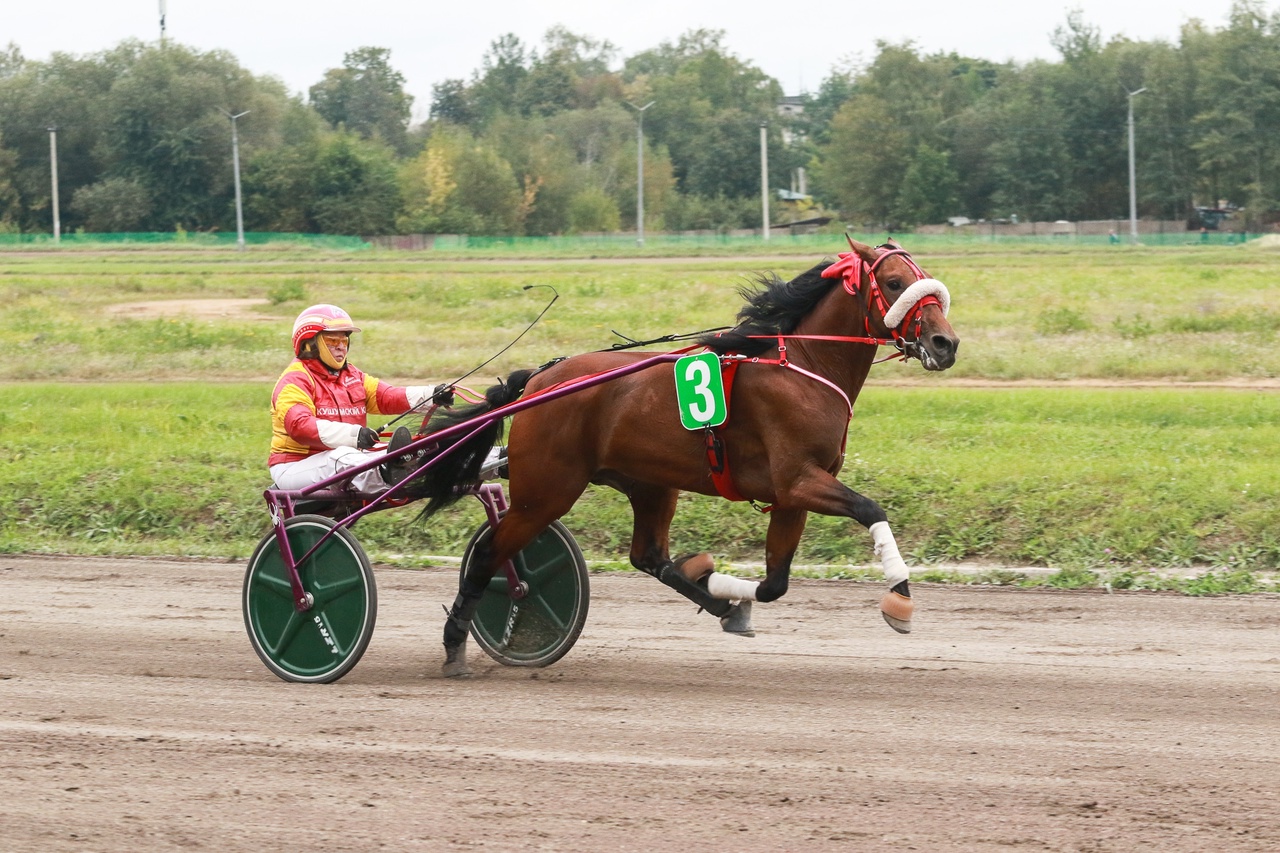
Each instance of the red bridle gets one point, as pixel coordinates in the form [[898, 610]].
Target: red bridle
[[851, 267]]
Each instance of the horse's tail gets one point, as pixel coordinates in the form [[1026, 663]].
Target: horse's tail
[[458, 471]]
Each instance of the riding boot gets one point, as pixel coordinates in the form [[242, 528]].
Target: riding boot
[[395, 468]]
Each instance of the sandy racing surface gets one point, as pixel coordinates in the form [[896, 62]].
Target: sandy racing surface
[[134, 716]]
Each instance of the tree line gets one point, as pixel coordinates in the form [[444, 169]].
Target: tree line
[[543, 140]]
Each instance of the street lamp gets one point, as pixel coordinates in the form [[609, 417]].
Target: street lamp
[[235, 164], [639, 169], [53, 170], [1133, 192], [764, 176]]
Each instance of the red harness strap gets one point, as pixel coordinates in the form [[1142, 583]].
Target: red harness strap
[[717, 458]]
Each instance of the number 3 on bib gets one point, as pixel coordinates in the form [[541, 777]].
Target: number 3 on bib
[[700, 391]]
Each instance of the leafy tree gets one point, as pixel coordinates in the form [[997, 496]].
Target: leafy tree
[[11, 60], [278, 192], [458, 185], [65, 93], [337, 183], [10, 207], [592, 209], [928, 191], [366, 96], [708, 108], [1029, 157], [113, 204], [504, 70], [451, 102], [1236, 145], [166, 128], [902, 105], [355, 187]]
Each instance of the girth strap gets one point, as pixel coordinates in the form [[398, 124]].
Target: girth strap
[[717, 457]]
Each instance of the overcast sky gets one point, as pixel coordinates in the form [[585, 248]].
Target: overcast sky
[[297, 40]]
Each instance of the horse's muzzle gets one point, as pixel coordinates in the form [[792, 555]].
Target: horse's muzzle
[[936, 351]]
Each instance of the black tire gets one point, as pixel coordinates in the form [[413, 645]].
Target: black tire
[[540, 628], [322, 644]]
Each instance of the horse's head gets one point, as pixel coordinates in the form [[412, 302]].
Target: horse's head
[[902, 302]]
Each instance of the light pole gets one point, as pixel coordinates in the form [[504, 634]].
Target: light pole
[[764, 176], [639, 169], [1133, 192], [53, 170], [235, 165]]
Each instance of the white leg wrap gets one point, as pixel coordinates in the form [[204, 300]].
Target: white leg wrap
[[731, 588], [886, 547]]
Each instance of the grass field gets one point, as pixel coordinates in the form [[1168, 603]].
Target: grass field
[[132, 428]]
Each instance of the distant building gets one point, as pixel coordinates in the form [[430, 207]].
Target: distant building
[[791, 106]]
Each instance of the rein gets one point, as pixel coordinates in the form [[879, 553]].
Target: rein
[[850, 267]]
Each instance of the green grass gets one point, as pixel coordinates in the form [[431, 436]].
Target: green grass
[[1195, 313], [1130, 485], [127, 433]]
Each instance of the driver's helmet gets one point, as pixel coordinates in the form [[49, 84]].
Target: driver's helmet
[[320, 318]]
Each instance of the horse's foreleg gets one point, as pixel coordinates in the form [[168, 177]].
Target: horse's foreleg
[[780, 544], [896, 606], [823, 493]]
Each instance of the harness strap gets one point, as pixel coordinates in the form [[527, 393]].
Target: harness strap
[[717, 458]]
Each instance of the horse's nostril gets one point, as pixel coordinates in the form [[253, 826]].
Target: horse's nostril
[[943, 344]]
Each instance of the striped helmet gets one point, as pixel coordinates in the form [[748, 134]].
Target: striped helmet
[[320, 318]]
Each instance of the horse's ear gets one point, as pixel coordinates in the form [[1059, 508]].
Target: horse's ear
[[867, 253]]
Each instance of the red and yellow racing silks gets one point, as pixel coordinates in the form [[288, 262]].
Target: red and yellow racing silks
[[310, 403]]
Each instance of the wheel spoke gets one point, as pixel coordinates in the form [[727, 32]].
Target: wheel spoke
[[331, 592], [290, 630], [547, 612], [540, 573], [277, 585]]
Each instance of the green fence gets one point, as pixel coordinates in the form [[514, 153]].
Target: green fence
[[823, 241], [183, 239], [609, 244]]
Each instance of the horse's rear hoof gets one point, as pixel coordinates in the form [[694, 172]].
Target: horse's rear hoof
[[695, 567], [455, 662], [896, 610], [738, 620]]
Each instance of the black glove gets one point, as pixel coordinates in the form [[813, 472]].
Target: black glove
[[366, 439], [443, 396]]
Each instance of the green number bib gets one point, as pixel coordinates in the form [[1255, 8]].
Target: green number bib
[[700, 391]]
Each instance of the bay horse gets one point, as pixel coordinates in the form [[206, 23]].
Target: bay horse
[[801, 352]]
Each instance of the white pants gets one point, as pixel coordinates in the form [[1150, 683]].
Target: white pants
[[321, 466]]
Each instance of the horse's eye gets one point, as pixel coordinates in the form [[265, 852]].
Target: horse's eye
[[893, 284]]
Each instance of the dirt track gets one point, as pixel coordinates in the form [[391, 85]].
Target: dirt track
[[134, 716]]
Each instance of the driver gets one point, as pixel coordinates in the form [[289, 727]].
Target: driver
[[320, 408]]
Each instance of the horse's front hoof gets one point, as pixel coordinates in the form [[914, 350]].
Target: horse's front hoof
[[896, 610], [738, 620], [455, 662]]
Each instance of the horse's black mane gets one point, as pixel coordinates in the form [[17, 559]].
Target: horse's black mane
[[774, 307]]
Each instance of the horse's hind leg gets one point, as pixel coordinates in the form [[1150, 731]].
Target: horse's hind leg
[[522, 523], [652, 509]]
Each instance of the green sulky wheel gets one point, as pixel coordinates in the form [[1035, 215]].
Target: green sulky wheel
[[540, 628], [325, 642]]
